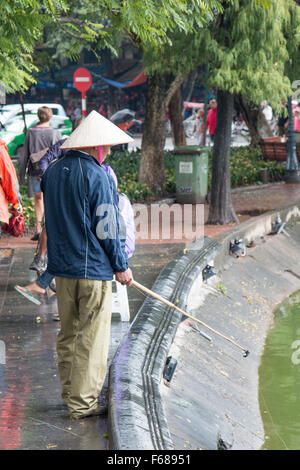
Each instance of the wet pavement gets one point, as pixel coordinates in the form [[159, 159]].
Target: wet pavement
[[32, 414]]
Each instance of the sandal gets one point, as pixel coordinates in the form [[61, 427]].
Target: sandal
[[27, 294]]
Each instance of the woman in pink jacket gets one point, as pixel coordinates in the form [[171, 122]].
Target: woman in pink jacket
[[9, 186]]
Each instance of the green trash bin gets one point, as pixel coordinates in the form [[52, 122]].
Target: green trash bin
[[191, 165]]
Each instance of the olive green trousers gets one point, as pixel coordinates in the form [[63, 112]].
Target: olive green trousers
[[84, 308]]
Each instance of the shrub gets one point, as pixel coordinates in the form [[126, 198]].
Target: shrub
[[28, 209], [126, 166], [246, 164], [27, 202]]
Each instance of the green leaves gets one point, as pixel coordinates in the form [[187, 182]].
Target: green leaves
[[246, 164], [246, 42], [21, 26], [248, 49], [72, 25]]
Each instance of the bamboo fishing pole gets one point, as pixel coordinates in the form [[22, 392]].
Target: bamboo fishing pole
[[170, 304]]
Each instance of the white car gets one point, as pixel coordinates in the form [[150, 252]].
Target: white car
[[8, 111]]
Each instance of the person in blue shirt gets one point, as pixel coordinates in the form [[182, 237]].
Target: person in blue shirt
[[44, 283], [85, 252]]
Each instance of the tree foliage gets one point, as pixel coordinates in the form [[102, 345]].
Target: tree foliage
[[248, 48], [147, 23], [71, 25], [291, 32], [150, 25], [21, 26], [85, 25]]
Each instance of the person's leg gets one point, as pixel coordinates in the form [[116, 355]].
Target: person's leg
[[39, 210], [66, 290], [45, 279], [42, 249], [38, 204], [40, 286], [38, 264], [280, 131], [91, 346]]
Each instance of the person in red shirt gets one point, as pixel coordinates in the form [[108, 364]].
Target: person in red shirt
[[124, 126], [9, 186], [211, 119]]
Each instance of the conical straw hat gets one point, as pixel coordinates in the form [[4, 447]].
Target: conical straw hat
[[95, 131]]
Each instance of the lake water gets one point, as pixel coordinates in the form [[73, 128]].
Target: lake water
[[279, 379]]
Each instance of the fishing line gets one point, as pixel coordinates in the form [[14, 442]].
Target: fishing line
[[272, 421]]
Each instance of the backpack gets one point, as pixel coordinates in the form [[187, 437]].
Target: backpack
[[37, 156], [16, 224]]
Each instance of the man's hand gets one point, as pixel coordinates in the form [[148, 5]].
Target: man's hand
[[125, 277]]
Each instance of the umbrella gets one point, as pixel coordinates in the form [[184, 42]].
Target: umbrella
[[191, 104], [124, 115]]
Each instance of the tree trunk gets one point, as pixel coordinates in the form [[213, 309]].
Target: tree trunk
[[23, 112], [60, 86], [112, 105], [257, 124], [175, 111], [189, 85], [154, 135], [221, 211]]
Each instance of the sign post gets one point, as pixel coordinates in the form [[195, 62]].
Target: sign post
[[82, 82]]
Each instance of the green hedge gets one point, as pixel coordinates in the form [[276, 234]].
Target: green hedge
[[27, 202], [126, 166], [246, 164]]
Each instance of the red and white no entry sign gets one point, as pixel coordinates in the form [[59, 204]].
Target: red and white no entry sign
[[82, 80]]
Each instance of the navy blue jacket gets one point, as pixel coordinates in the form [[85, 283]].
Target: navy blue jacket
[[81, 213]]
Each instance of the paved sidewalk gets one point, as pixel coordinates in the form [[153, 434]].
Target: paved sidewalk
[[32, 415]]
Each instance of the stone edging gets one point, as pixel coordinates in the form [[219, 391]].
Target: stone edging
[[136, 415]]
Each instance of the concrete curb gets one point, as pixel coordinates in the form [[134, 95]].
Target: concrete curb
[[136, 416]]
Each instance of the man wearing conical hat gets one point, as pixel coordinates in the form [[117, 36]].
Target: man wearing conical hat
[[85, 251]]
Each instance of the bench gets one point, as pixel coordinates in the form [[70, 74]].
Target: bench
[[275, 148]]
